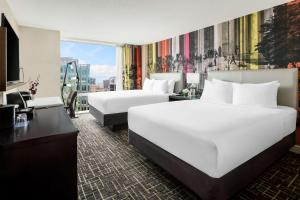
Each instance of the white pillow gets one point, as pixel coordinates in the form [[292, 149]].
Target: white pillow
[[227, 90], [160, 86], [262, 94], [216, 92], [171, 85], [148, 84]]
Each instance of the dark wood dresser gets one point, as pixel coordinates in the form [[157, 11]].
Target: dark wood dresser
[[40, 160]]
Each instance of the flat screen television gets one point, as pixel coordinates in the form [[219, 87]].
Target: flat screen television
[[13, 74]]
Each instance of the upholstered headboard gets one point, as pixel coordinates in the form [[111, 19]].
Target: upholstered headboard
[[288, 78], [177, 77]]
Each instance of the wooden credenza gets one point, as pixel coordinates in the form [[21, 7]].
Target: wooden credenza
[[40, 161]]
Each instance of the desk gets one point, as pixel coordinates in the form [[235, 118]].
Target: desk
[[44, 102], [40, 160]]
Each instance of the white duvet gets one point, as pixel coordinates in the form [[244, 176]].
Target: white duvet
[[119, 101], [214, 138]]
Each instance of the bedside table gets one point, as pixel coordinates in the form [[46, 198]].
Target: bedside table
[[181, 97]]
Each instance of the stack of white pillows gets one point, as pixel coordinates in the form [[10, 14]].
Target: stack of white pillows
[[260, 94], [159, 86]]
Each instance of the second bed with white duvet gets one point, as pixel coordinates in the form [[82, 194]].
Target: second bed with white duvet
[[119, 101], [214, 138]]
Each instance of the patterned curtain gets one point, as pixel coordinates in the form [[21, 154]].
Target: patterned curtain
[[132, 67]]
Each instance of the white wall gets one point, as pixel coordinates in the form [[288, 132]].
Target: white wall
[[40, 54]]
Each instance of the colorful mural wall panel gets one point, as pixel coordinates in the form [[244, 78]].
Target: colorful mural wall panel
[[265, 39]]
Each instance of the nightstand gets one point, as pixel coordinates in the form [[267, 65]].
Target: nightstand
[[181, 97]]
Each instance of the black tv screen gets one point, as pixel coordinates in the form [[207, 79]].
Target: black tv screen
[[12, 51]]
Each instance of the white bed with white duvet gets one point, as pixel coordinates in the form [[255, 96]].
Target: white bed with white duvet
[[220, 143], [214, 138], [119, 101], [110, 108]]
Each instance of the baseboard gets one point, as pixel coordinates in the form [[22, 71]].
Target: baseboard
[[295, 149]]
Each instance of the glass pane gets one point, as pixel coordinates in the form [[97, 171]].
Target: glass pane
[[96, 69]]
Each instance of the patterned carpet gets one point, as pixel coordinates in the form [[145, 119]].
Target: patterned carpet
[[109, 168]]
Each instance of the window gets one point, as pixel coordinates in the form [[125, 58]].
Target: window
[[96, 69]]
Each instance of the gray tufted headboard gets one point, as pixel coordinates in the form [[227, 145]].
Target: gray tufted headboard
[[288, 78], [177, 77]]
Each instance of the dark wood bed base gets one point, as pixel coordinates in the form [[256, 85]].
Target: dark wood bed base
[[113, 121], [203, 185]]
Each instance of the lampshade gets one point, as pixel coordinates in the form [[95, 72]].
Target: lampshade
[[192, 78]]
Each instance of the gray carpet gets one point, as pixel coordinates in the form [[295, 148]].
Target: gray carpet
[[109, 168]]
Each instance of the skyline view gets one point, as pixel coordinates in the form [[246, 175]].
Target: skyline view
[[102, 58]]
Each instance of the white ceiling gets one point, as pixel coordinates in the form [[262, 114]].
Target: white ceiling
[[130, 21]]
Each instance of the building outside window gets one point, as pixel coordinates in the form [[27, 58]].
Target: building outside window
[[96, 69]]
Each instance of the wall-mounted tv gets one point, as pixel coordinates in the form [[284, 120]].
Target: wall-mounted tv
[[12, 51]]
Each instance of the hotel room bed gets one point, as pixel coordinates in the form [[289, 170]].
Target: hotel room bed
[[110, 108], [119, 101], [224, 135], [216, 149]]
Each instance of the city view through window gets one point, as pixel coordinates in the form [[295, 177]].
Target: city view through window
[[96, 67]]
